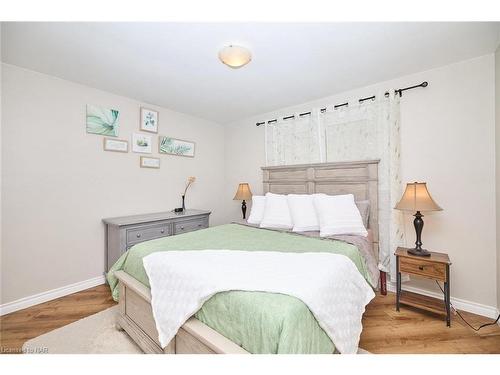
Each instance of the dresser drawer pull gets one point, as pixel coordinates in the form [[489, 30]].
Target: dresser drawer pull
[[138, 235], [163, 231], [421, 268], [182, 228], [199, 225]]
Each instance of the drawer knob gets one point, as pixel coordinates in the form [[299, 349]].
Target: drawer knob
[[421, 268], [163, 231], [199, 225], [138, 235], [182, 228]]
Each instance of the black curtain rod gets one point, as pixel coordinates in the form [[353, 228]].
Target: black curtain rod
[[397, 92]]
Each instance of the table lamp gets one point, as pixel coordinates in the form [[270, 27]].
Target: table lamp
[[417, 198], [243, 193]]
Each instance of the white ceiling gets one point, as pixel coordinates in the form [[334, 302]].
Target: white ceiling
[[175, 65]]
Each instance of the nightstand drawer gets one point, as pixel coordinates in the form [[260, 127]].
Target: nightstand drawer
[[423, 268], [147, 233], [189, 226]]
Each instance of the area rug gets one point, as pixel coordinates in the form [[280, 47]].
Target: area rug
[[95, 334]]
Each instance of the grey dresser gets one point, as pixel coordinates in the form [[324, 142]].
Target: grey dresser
[[124, 232]]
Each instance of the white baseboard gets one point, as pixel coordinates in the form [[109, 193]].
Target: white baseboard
[[460, 304], [36, 299]]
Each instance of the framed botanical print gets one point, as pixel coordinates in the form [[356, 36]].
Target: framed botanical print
[[149, 120], [141, 143], [102, 121], [173, 146], [148, 162], [117, 145]]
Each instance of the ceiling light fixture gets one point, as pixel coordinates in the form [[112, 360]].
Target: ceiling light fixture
[[235, 56]]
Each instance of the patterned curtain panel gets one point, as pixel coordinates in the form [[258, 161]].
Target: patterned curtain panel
[[368, 130]]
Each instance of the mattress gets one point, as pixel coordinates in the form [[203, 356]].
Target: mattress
[[259, 322]]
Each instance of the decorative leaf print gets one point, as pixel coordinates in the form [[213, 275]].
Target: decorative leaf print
[[177, 147], [102, 121], [149, 121]]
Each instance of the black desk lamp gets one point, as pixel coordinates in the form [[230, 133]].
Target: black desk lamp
[[243, 193], [417, 198]]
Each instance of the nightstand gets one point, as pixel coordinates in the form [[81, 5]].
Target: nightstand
[[435, 267]]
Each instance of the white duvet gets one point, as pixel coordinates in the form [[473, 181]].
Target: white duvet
[[329, 284]]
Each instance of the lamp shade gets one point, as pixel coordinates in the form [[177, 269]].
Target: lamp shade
[[243, 192], [417, 198]]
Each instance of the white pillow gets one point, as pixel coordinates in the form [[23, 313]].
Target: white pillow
[[303, 213], [257, 212], [276, 212], [338, 214]]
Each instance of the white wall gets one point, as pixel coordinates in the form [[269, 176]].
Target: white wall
[[448, 132], [1, 214], [58, 183], [497, 165]]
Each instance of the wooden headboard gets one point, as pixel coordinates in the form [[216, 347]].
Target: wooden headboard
[[359, 178]]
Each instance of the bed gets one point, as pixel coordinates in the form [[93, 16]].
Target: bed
[[241, 322]]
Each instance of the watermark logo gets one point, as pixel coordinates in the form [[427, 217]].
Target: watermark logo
[[24, 350]]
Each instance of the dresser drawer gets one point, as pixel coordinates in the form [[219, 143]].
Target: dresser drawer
[[190, 225], [423, 268], [145, 233]]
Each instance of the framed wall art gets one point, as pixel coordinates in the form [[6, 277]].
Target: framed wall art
[[141, 143], [149, 120], [148, 162], [173, 146], [117, 145], [102, 121]]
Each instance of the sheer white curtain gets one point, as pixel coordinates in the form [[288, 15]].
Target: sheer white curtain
[[371, 130], [367, 130], [293, 141]]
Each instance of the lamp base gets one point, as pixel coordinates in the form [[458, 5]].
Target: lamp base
[[419, 252], [244, 209]]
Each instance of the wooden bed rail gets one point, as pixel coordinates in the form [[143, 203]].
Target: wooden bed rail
[[136, 318]]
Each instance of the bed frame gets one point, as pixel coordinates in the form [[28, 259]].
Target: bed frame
[[194, 337], [359, 178]]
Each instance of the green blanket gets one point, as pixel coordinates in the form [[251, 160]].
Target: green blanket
[[259, 322]]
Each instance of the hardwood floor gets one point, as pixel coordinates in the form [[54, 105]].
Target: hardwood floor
[[385, 330], [22, 325], [415, 331]]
